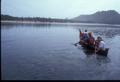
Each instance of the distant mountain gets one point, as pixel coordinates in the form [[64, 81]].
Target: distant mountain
[[109, 17]]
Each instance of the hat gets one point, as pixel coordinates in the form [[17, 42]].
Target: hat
[[99, 38]]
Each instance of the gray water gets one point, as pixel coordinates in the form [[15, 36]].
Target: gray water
[[46, 52]]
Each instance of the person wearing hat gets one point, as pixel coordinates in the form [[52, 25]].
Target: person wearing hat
[[85, 37], [100, 44]]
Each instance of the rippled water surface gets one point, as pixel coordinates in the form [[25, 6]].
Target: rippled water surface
[[46, 52]]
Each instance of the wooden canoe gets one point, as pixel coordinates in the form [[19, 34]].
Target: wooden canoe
[[92, 49]]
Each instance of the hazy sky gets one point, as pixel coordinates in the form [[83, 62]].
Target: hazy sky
[[56, 8]]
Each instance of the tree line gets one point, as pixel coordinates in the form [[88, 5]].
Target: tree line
[[38, 19]]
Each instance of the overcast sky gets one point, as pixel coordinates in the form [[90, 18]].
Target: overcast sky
[[56, 8]]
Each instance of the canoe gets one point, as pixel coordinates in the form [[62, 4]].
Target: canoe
[[92, 49], [103, 52]]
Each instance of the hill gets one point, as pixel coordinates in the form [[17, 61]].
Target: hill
[[109, 17]]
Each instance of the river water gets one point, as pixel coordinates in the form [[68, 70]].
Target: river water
[[46, 52]]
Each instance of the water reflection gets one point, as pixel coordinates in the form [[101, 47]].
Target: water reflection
[[24, 25], [45, 52], [108, 33], [99, 59], [103, 60], [88, 52]]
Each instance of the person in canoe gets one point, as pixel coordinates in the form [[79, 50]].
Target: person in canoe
[[80, 35], [84, 38], [91, 39], [80, 38], [99, 44]]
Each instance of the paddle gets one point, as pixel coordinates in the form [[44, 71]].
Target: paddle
[[95, 50], [76, 43]]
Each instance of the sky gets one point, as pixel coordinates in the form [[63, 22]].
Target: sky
[[56, 8]]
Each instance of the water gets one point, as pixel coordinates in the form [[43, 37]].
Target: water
[[46, 52]]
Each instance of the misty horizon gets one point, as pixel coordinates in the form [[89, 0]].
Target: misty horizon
[[56, 8]]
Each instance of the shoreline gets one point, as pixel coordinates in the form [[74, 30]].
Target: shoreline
[[54, 23]]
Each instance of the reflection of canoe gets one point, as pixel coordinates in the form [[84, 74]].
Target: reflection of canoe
[[92, 49]]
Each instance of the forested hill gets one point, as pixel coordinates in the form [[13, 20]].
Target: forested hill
[[109, 17]]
